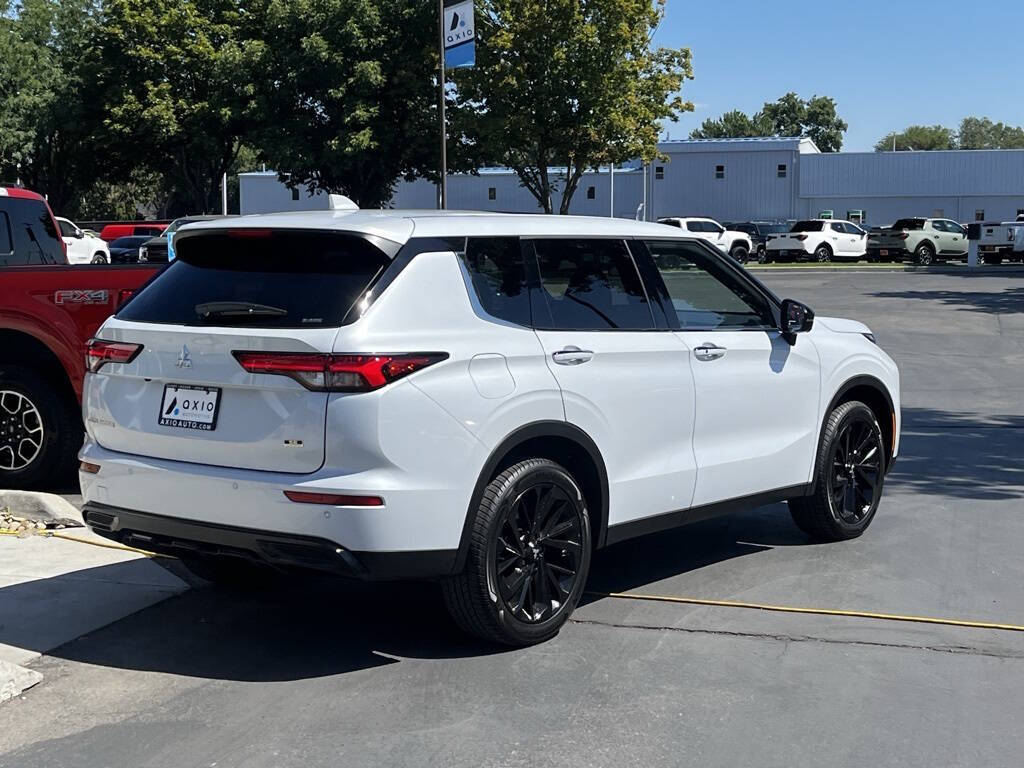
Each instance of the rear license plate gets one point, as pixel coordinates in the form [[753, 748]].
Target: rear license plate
[[190, 407], [883, 252]]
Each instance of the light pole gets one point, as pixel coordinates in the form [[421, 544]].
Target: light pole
[[440, 105]]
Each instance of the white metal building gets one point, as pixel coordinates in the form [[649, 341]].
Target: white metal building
[[735, 180]]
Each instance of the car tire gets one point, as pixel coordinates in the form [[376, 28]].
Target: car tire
[[520, 584], [924, 255], [823, 254], [839, 508], [762, 255], [740, 254], [99, 258], [40, 430]]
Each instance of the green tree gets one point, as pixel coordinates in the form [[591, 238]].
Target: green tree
[[789, 115], [49, 117], [567, 84], [982, 133], [918, 137], [347, 93], [178, 100]]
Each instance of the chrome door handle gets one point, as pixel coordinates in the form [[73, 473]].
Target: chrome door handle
[[709, 351], [572, 356]]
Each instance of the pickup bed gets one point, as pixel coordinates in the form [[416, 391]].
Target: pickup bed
[[47, 314], [1001, 242]]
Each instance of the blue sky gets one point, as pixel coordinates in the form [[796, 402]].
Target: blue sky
[[887, 64]]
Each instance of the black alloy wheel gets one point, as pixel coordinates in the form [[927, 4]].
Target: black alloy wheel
[[856, 475], [823, 254], [537, 553]]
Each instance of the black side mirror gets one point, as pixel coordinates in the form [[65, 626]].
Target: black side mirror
[[796, 318]]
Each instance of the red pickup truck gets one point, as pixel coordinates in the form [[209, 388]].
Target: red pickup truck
[[48, 310]]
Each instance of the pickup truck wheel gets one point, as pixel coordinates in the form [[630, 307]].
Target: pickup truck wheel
[[849, 475], [740, 253], [823, 254], [99, 258], [40, 433], [528, 558], [924, 255], [762, 254]]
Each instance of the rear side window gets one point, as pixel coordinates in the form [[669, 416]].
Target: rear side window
[[908, 224], [589, 285], [498, 273], [807, 226], [279, 279], [32, 233]]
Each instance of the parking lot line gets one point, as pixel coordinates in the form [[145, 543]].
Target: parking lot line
[[815, 611]]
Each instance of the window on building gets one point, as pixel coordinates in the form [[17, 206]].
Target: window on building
[[939, 213], [979, 215], [719, 171], [659, 172], [782, 170], [589, 285], [591, 193], [295, 193], [492, 193], [1020, 212]]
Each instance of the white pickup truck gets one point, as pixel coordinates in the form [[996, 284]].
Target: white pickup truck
[[1001, 242]]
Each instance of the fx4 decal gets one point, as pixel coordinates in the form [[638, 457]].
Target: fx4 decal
[[81, 297]]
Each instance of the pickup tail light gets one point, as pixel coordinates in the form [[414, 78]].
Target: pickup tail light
[[99, 352], [337, 373], [902, 235], [801, 238]]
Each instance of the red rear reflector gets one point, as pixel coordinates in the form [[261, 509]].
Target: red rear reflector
[[335, 499], [337, 373], [250, 232], [88, 468], [99, 352]]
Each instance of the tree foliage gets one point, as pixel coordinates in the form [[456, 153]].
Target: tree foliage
[[172, 75], [789, 115], [919, 138], [974, 133], [567, 84], [346, 94]]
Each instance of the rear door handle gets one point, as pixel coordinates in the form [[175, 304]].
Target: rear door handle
[[572, 356], [709, 351]]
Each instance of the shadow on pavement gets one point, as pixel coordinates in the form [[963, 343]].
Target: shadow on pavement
[[964, 455], [993, 302]]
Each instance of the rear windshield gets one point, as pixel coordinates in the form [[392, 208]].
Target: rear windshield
[[281, 279], [909, 224], [807, 226], [772, 229], [128, 242]]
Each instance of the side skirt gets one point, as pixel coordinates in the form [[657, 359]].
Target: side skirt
[[663, 522]]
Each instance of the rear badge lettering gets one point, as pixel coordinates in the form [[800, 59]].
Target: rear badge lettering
[[81, 297]]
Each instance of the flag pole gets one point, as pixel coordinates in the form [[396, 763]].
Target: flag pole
[[440, 105]]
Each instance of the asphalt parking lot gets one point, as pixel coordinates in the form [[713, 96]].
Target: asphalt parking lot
[[311, 674]]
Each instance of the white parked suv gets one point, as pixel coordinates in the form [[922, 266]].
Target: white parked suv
[[480, 399], [736, 244], [818, 239], [83, 248]]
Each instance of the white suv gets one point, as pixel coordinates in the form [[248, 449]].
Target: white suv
[[480, 399], [736, 244], [818, 239], [83, 248]]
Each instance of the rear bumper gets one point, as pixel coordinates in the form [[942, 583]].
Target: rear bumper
[[876, 250], [191, 538], [788, 253]]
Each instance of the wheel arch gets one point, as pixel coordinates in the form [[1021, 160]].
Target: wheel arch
[[562, 443], [875, 395], [20, 348]]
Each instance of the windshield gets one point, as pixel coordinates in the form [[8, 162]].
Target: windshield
[[807, 226]]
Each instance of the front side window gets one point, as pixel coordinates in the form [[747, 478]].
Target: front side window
[[704, 294], [67, 229], [496, 269], [589, 284], [837, 227]]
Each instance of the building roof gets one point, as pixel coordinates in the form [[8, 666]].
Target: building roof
[[747, 144]]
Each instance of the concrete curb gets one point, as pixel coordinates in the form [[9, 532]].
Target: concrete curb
[[47, 507], [15, 680]]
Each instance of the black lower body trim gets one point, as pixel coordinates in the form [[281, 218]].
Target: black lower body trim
[[190, 538], [634, 528]]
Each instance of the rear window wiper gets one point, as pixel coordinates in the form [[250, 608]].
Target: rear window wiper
[[238, 309]]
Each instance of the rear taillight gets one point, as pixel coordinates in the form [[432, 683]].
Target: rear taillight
[[801, 238], [337, 373], [902, 235], [99, 352]]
